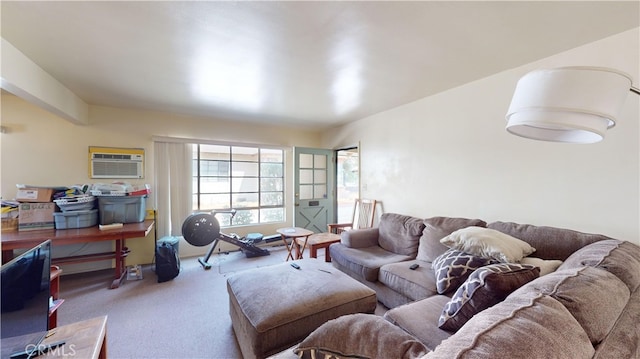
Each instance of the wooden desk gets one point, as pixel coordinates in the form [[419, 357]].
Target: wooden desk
[[29, 239], [86, 339]]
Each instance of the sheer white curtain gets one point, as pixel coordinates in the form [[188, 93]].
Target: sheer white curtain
[[173, 181]]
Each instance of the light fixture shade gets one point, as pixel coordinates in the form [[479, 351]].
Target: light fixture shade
[[568, 104]]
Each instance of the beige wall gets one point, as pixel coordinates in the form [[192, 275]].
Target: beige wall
[[446, 154], [41, 148], [450, 155]]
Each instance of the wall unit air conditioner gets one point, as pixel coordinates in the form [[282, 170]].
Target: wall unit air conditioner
[[110, 162]]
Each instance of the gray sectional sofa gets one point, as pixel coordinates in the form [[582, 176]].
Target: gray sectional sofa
[[589, 307]]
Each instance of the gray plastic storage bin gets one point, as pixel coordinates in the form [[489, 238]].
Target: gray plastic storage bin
[[76, 219], [125, 209], [80, 203]]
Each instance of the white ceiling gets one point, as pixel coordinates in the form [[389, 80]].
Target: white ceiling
[[310, 64]]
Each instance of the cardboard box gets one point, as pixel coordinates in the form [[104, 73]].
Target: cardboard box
[[35, 216], [31, 194], [9, 225]]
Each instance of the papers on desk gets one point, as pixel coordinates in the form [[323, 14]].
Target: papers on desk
[[105, 227]]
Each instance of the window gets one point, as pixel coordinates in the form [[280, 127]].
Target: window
[[247, 179]]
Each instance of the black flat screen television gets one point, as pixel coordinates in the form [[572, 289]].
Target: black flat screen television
[[25, 281]]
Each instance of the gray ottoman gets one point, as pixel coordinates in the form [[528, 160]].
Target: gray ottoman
[[275, 307]]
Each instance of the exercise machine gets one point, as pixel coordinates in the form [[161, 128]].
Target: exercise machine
[[202, 229]]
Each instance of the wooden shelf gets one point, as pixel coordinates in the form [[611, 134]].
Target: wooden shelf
[[56, 304], [54, 289]]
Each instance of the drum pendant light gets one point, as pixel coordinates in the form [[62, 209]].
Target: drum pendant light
[[569, 104]]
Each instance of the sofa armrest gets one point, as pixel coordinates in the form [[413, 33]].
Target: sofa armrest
[[360, 238]]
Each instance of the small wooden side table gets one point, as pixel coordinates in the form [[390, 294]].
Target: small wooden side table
[[86, 339], [320, 240], [294, 233]]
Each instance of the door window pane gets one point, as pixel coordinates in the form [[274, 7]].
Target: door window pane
[[320, 191], [320, 161], [306, 176], [306, 191], [319, 176], [306, 160]]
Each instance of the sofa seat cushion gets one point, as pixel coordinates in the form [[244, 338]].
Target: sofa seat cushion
[[415, 284], [618, 257], [364, 262], [523, 326], [564, 241], [593, 296], [437, 228], [420, 319], [400, 234], [359, 336]]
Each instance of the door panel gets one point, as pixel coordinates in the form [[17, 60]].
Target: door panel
[[314, 182]]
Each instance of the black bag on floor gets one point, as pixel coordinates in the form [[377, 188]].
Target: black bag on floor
[[167, 262]]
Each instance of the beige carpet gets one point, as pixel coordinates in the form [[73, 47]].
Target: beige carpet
[[237, 261], [187, 317]]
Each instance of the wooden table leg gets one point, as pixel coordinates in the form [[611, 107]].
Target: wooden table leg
[[289, 247], [7, 255], [121, 268], [300, 252]]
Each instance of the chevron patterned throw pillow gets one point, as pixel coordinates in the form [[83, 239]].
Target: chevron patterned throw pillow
[[485, 287], [453, 267]]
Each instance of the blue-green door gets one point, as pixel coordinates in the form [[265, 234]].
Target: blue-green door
[[314, 199]]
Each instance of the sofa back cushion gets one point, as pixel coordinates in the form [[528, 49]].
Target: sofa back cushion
[[549, 242], [617, 257], [593, 296], [400, 234], [437, 228], [524, 326], [346, 337]]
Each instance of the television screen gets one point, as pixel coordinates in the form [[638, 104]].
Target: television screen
[[24, 298]]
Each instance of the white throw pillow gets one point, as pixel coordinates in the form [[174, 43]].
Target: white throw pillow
[[488, 243], [546, 265]]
